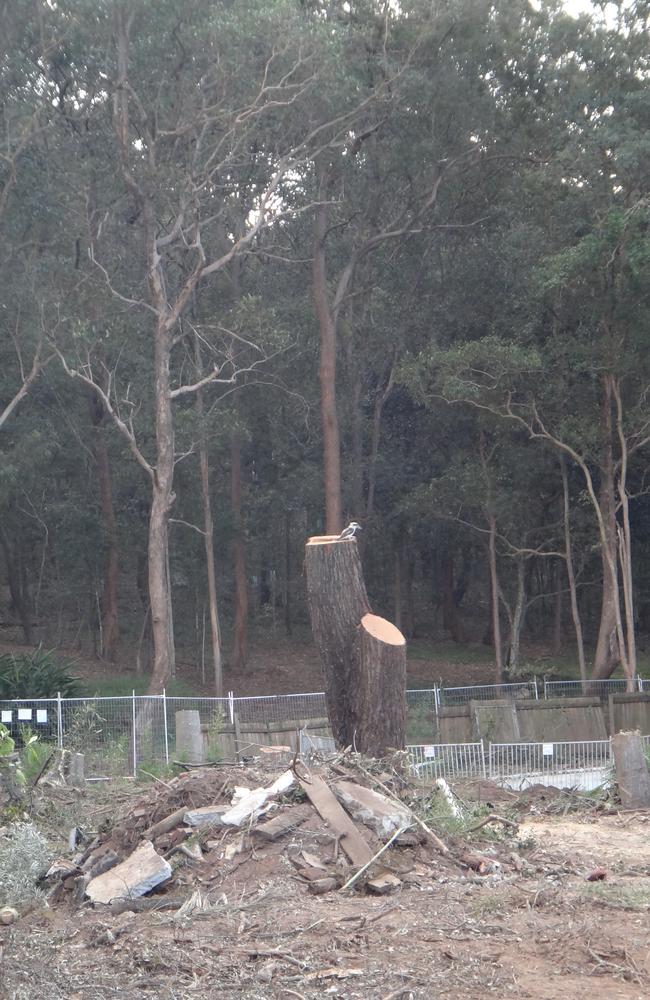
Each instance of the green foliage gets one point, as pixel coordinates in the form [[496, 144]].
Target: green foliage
[[7, 745], [40, 674]]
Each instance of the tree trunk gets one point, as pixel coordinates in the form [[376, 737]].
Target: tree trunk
[[518, 615], [568, 550], [378, 698], [288, 623], [327, 368], [378, 409], [239, 651], [208, 532], [17, 580], [558, 610], [364, 657], [608, 648], [625, 540], [109, 609], [398, 583], [356, 449], [494, 594], [450, 621], [161, 504]]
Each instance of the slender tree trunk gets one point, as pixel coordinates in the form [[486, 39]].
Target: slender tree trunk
[[208, 532], [356, 468], [327, 368], [625, 540], [399, 558], [17, 580], [378, 409], [161, 504], [109, 608], [450, 620], [568, 550], [239, 650], [518, 617], [494, 591], [558, 610], [288, 623], [610, 647]]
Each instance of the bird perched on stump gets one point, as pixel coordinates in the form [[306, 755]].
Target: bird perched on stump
[[350, 531]]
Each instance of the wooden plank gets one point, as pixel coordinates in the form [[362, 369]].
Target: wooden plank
[[322, 798]]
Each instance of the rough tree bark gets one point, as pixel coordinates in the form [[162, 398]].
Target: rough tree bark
[[568, 557], [208, 531], [238, 656], [364, 656], [109, 609], [327, 368]]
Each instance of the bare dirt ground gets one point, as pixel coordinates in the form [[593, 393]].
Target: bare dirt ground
[[535, 928]]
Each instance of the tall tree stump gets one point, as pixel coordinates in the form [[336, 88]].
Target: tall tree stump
[[632, 775], [363, 655]]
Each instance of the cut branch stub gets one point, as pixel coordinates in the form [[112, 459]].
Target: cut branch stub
[[364, 656]]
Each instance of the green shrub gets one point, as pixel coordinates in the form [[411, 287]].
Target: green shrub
[[40, 674]]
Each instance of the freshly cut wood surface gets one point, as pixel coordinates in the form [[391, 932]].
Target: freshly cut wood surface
[[383, 630]]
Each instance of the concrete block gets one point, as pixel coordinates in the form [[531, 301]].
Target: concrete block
[[189, 738], [376, 811]]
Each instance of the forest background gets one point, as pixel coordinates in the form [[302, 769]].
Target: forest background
[[271, 266]]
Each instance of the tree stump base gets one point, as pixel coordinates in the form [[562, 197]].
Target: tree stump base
[[363, 655], [632, 775]]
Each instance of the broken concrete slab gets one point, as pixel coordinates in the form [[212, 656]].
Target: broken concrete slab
[[140, 873], [247, 803], [206, 815], [373, 809]]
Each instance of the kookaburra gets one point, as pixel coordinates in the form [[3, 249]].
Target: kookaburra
[[350, 531]]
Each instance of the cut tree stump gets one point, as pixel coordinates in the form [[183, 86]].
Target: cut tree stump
[[632, 776], [363, 655]]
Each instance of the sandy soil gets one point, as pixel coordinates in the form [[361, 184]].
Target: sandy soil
[[542, 931]]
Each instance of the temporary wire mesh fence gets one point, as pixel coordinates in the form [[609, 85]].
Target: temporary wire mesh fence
[[590, 688], [446, 760], [488, 692], [124, 735], [584, 765]]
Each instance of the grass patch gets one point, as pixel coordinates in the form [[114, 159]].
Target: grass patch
[[622, 897]]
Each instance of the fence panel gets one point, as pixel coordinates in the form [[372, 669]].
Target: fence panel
[[280, 707], [102, 729], [583, 764], [487, 692], [600, 689], [448, 760]]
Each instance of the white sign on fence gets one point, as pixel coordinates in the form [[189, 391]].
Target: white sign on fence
[[7, 716], [41, 715], [547, 749], [24, 714]]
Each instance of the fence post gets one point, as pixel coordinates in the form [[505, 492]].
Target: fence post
[[135, 738], [231, 707], [436, 700], [545, 691], [483, 759], [640, 684], [536, 689], [164, 701], [59, 721]]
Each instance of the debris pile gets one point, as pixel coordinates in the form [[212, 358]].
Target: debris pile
[[336, 826]]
